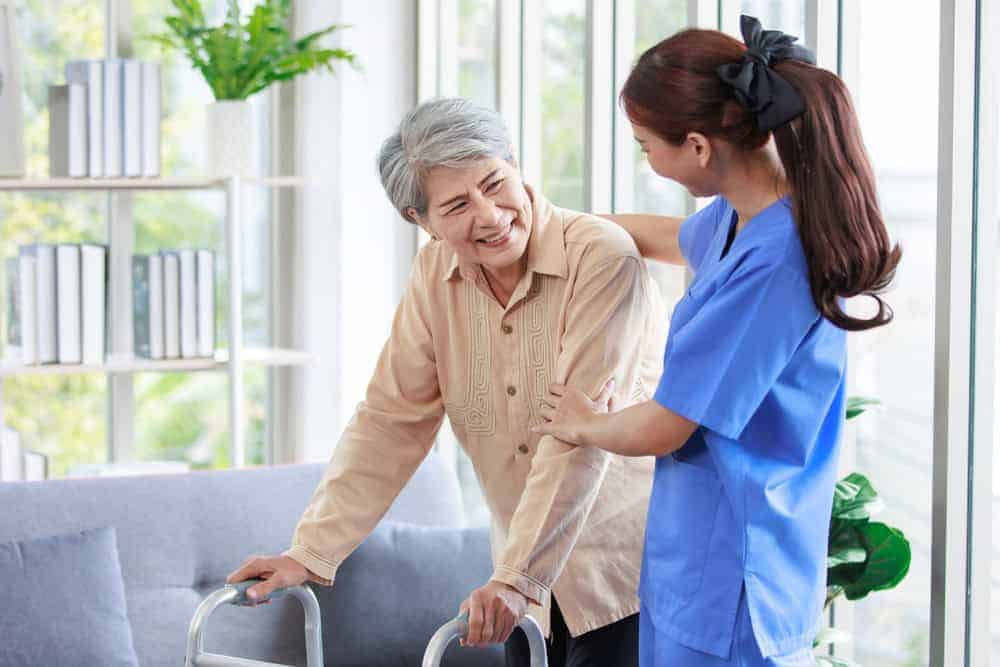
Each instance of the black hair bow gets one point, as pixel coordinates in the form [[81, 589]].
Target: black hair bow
[[758, 87]]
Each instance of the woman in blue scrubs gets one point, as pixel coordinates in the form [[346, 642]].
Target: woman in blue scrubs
[[746, 421]]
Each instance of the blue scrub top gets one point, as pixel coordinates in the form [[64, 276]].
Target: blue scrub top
[[746, 501]]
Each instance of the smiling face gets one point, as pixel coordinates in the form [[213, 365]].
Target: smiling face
[[688, 164], [482, 211]]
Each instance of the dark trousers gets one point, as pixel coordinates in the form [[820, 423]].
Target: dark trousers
[[615, 645]]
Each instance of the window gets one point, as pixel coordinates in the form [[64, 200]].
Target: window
[[184, 416], [563, 67], [785, 15], [654, 22], [896, 363], [477, 51], [177, 416], [72, 428]]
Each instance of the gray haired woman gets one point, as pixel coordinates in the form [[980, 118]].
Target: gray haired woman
[[513, 294]]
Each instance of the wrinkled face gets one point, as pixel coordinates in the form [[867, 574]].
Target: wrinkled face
[[687, 164], [481, 210]]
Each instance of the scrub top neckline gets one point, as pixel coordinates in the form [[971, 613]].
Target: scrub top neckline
[[731, 228]]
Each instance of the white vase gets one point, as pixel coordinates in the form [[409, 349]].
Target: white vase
[[230, 145]]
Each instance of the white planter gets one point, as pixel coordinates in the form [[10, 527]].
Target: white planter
[[230, 145]]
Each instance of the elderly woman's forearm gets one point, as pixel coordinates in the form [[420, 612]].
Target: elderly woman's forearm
[[656, 236]]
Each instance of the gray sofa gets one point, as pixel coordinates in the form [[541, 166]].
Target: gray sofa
[[179, 535]]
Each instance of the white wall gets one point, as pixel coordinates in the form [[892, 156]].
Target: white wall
[[355, 250]]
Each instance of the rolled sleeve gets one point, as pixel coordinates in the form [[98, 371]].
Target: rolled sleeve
[[391, 432], [607, 312]]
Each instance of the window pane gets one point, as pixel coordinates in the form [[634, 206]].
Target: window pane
[[563, 85], [895, 363], [786, 15], [654, 22], [995, 567], [172, 220], [72, 427], [477, 51]]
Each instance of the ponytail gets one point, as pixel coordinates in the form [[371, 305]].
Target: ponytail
[[843, 234], [675, 88]]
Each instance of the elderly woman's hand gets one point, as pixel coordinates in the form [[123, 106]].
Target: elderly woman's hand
[[568, 412], [278, 571], [494, 611]]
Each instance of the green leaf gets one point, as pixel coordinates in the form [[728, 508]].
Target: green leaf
[[239, 59], [846, 556], [887, 562], [855, 499], [857, 405]]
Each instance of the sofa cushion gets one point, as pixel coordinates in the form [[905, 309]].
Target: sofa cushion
[[64, 602], [402, 584]]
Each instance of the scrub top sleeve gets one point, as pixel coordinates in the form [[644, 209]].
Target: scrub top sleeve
[[697, 231], [719, 366]]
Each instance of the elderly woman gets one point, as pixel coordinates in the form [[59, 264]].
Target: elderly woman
[[511, 295]]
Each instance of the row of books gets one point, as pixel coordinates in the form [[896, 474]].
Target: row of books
[[56, 298], [173, 297], [57, 304], [105, 120], [18, 463]]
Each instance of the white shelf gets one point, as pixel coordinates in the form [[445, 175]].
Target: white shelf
[[57, 184], [257, 356]]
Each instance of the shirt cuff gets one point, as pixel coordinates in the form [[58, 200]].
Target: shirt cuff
[[529, 587], [320, 569]]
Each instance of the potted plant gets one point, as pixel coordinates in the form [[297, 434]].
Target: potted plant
[[863, 556], [238, 59]]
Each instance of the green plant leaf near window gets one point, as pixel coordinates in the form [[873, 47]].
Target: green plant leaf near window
[[242, 57], [863, 556]]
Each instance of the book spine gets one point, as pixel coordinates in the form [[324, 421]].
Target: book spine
[[206, 303], [132, 117], [93, 290], [28, 275], [189, 305], [171, 306], [45, 290], [156, 328], [112, 118], [68, 131], [151, 112], [68, 303], [91, 74], [140, 306]]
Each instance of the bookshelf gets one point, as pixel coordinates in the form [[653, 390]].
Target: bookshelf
[[120, 359]]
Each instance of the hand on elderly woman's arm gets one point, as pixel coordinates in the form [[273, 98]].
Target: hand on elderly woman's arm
[[656, 236], [644, 429]]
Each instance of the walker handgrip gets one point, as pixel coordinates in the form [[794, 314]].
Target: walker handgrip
[[241, 587], [459, 627]]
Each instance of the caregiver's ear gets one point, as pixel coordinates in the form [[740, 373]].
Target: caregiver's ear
[[700, 147]]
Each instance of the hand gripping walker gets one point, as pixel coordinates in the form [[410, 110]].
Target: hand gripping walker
[[235, 594]]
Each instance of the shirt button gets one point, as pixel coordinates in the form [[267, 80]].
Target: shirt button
[[523, 448], [507, 329], [511, 391]]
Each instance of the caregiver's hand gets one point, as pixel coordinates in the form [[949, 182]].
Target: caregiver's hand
[[494, 611], [569, 412], [278, 571]]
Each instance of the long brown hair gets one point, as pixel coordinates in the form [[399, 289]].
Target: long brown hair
[[674, 89]]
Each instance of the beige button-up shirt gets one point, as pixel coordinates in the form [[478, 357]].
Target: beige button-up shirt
[[565, 520]]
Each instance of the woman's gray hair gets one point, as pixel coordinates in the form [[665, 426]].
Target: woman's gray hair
[[444, 132]]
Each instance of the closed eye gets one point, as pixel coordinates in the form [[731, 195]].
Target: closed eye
[[494, 186]]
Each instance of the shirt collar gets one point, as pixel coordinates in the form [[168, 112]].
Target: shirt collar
[[546, 245]]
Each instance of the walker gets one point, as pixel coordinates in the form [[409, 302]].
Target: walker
[[235, 594]]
